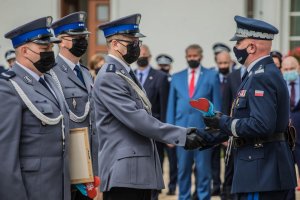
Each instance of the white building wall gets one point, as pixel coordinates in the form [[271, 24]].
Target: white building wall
[[14, 13], [275, 12], [172, 25]]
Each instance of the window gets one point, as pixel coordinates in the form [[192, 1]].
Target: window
[[250, 8], [99, 12], [294, 24]]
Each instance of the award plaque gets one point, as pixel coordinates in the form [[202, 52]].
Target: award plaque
[[81, 170]]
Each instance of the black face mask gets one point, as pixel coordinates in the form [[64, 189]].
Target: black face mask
[[142, 61], [193, 63], [165, 70], [133, 53], [241, 54], [224, 71], [79, 46], [46, 61]]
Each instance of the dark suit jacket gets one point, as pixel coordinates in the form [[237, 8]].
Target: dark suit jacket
[[295, 117], [230, 89], [157, 89]]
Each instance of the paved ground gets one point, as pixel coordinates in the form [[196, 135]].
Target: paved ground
[[163, 195]]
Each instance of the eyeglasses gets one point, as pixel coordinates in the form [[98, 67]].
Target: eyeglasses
[[134, 43]]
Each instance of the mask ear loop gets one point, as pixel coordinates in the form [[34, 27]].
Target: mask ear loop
[[122, 45], [33, 52]]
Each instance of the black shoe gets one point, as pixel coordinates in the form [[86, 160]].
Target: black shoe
[[171, 193], [216, 192]]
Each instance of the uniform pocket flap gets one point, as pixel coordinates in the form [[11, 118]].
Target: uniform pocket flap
[[44, 108], [251, 154], [72, 92], [30, 164], [137, 151]]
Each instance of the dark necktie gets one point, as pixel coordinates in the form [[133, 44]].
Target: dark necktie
[[223, 84], [79, 73], [244, 75], [134, 78], [141, 77], [293, 95], [43, 82]]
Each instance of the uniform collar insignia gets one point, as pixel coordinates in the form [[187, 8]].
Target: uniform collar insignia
[[27, 79], [64, 68]]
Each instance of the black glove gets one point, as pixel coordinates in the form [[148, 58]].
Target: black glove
[[193, 139], [213, 122]]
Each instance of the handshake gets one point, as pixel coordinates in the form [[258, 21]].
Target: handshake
[[211, 135]]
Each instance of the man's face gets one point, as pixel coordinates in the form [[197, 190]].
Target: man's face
[[119, 43], [223, 60], [144, 52], [11, 62], [165, 68], [33, 50], [288, 66], [67, 40], [193, 54]]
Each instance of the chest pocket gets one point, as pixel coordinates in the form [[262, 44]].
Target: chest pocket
[[44, 106], [242, 103], [72, 92]]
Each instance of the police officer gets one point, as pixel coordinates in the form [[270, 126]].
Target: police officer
[[129, 165], [74, 79], [10, 57], [164, 62], [34, 126], [263, 163]]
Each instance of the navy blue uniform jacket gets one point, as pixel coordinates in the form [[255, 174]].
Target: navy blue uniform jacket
[[261, 109]]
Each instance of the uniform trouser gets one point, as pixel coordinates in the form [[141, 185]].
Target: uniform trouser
[[274, 195], [228, 176], [171, 152], [118, 193], [202, 160], [216, 167]]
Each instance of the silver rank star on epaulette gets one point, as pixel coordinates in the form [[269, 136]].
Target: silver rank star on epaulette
[[111, 68]]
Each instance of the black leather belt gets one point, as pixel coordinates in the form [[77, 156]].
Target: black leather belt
[[258, 141]]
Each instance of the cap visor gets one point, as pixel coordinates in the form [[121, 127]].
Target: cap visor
[[78, 32], [46, 41], [236, 38], [138, 35]]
